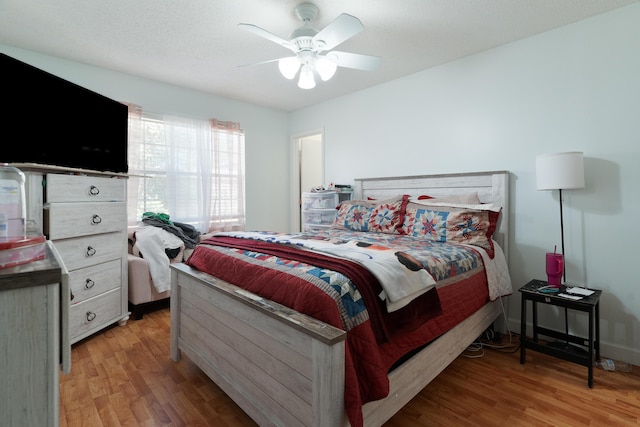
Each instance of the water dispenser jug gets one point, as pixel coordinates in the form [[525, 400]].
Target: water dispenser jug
[[12, 203]]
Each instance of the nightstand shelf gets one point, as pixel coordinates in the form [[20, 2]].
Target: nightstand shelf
[[589, 304]]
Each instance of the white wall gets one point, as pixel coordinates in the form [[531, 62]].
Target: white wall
[[574, 88], [266, 131]]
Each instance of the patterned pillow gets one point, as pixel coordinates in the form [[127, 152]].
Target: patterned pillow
[[473, 228], [375, 216], [468, 224]]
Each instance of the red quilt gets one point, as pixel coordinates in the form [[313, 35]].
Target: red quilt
[[376, 339]]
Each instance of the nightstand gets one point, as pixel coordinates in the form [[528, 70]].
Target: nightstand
[[589, 304]]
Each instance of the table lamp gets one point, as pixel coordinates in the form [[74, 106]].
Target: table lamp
[[560, 171]]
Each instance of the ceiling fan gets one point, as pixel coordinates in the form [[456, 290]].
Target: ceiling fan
[[313, 48]]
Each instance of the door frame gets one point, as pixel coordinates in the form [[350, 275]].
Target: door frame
[[295, 174]]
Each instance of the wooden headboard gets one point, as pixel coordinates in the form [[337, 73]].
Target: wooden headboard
[[492, 187]]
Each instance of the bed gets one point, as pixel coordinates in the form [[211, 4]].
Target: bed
[[284, 366]]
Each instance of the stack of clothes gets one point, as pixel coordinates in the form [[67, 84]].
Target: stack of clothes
[[159, 240]]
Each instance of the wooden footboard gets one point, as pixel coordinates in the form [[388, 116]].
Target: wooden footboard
[[279, 366], [282, 367]]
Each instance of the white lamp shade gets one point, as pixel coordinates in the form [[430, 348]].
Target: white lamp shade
[[307, 81], [289, 66], [560, 171], [326, 67]]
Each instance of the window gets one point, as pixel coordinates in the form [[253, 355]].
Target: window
[[191, 169]]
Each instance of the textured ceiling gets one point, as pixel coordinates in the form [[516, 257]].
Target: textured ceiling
[[197, 44]]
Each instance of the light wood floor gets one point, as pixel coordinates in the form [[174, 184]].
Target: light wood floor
[[123, 376]]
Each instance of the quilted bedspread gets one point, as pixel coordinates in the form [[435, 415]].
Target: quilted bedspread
[[347, 294], [401, 277]]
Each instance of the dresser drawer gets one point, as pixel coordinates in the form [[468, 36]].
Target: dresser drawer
[[319, 216], [95, 312], [81, 219], [73, 188], [90, 250], [326, 200], [88, 282]]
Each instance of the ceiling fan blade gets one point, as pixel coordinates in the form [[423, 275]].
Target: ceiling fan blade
[[340, 29], [355, 60], [263, 62], [269, 36]]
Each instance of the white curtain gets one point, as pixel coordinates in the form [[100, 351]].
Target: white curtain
[[188, 170], [135, 156], [228, 209], [192, 170], [205, 173]]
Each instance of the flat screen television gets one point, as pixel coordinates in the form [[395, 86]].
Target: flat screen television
[[59, 123]]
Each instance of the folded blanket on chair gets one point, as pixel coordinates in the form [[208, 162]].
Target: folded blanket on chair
[[186, 232], [152, 243]]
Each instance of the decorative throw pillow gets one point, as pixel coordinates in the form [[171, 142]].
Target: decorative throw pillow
[[421, 221], [375, 216], [473, 227], [451, 222]]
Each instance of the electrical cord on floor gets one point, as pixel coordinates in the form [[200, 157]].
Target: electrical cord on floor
[[492, 339]]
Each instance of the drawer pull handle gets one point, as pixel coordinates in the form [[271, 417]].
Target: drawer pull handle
[[90, 251], [89, 284], [90, 316], [96, 219], [94, 191]]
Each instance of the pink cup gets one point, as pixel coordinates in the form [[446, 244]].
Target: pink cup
[[555, 268]]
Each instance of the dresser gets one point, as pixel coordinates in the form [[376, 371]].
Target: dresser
[[32, 348], [84, 215]]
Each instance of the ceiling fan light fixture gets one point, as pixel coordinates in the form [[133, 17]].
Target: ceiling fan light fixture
[[289, 66], [307, 81], [326, 67], [314, 55]]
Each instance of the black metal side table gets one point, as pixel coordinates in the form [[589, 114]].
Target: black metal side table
[[532, 291]]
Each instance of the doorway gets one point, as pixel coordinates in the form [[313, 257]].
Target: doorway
[[307, 169]]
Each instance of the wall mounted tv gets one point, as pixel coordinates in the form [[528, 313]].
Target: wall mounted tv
[[59, 123]]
